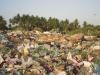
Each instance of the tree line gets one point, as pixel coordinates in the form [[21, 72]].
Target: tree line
[[27, 23]]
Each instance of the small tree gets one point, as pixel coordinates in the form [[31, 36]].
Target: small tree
[[2, 23]]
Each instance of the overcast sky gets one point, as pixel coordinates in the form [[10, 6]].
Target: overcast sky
[[88, 10]]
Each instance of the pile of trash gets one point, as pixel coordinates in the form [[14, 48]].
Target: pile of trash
[[30, 53]]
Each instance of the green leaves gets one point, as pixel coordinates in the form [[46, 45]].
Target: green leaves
[[2, 23], [31, 22]]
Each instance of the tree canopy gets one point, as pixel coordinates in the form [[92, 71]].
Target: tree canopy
[[2, 23], [31, 22]]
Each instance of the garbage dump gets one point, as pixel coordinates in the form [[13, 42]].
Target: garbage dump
[[32, 53]]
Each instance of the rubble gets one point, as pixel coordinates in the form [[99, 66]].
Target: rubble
[[36, 53], [90, 38]]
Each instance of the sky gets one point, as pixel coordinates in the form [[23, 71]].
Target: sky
[[83, 10]]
